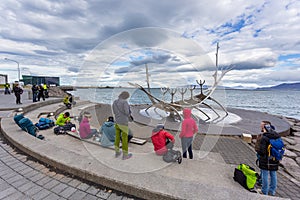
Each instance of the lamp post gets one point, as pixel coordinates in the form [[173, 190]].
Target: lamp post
[[18, 66]]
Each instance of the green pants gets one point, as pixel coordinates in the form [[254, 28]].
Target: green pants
[[121, 129]]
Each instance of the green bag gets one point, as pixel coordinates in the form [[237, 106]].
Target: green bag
[[251, 175]]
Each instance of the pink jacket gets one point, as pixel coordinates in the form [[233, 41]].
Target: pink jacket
[[84, 128], [189, 126]]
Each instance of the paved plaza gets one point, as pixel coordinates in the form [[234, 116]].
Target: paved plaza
[[22, 177]]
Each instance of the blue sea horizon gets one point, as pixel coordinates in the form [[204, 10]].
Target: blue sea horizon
[[275, 102]]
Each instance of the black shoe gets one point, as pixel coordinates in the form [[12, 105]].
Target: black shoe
[[179, 160], [258, 184]]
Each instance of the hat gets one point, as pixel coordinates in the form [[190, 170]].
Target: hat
[[110, 119], [124, 95], [87, 114], [160, 126]]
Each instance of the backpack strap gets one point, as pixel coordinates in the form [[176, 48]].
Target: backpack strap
[[269, 149]]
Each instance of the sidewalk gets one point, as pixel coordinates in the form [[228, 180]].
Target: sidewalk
[[208, 176], [8, 102], [22, 177]]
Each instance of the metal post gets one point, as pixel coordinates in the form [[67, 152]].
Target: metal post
[[18, 66]]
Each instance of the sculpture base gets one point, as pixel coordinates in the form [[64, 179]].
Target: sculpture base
[[237, 122]]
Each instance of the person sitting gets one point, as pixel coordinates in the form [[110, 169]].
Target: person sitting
[[108, 132], [161, 140], [85, 130], [68, 99], [63, 119]]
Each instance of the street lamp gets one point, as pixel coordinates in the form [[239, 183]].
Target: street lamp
[[18, 66]]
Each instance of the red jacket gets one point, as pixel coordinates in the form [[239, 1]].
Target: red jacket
[[159, 137], [189, 126]]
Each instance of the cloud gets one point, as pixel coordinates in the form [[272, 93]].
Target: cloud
[[158, 58], [79, 38]]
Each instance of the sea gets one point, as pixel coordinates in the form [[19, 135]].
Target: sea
[[276, 102]]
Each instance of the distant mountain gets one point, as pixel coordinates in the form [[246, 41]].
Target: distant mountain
[[283, 86], [240, 87]]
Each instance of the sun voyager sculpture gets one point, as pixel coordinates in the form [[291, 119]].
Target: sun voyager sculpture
[[199, 102]]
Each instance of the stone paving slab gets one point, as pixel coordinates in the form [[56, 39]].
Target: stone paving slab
[[22, 186]]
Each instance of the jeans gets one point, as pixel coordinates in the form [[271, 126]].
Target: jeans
[[186, 144], [266, 187], [34, 96]]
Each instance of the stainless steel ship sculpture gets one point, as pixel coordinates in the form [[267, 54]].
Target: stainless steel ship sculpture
[[197, 102]]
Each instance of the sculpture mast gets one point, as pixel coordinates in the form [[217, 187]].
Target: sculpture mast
[[217, 54], [147, 77]]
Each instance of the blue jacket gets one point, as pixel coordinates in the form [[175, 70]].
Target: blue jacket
[[108, 134]]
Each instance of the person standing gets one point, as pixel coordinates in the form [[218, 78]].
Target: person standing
[[257, 145], [7, 88], [266, 165], [121, 112], [41, 92], [34, 90], [188, 129], [18, 91], [46, 90]]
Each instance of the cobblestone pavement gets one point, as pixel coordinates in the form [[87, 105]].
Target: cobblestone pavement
[[235, 152], [24, 178]]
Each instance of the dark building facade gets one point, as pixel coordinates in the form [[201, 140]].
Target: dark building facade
[[3, 79], [40, 79]]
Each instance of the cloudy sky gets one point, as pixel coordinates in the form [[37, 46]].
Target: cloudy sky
[[108, 42]]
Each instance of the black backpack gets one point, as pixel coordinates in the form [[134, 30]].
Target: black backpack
[[172, 155], [59, 130]]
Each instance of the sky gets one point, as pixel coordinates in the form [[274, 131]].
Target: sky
[[110, 42]]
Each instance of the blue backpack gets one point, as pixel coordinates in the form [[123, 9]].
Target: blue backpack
[[44, 123], [276, 149]]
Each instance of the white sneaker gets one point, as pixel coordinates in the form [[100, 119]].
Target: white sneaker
[[259, 190]]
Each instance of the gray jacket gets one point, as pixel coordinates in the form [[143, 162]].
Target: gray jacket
[[121, 111]]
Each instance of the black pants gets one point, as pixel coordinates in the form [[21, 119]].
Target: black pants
[[41, 95], [18, 98]]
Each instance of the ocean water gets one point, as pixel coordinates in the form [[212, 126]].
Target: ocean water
[[276, 102]]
